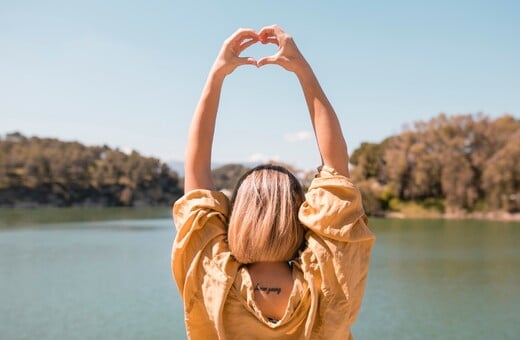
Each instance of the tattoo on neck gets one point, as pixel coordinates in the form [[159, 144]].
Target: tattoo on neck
[[267, 290]]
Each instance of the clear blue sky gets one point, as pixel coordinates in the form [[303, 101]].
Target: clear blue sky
[[128, 74]]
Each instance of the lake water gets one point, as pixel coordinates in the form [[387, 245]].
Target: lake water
[[429, 279]]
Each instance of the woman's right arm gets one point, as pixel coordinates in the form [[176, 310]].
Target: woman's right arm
[[332, 145], [197, 174]]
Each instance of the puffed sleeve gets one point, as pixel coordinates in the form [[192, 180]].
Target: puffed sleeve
[[339, 241], [200, 217]]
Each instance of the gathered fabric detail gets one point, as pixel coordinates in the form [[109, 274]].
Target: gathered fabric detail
[[329, 274]]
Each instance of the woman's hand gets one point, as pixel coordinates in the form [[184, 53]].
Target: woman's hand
[[229, 57], [288, 55]]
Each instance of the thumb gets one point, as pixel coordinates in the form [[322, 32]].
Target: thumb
[[267, 60], [246, 61]]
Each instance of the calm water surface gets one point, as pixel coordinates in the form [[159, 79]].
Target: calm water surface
[[429, 279]]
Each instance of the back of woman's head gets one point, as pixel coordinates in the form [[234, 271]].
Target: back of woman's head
[[264, 225]]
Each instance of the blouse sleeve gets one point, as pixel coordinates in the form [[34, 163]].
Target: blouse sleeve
[[200, 217], [339, 241]]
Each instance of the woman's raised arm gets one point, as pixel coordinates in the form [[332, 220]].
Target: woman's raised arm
[[197, 167], [327, 129]]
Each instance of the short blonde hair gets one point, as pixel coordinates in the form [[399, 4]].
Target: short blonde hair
[[264, 225]]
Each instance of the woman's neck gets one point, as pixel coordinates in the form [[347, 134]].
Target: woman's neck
[[268, 273], [271, 267], [272, 286]]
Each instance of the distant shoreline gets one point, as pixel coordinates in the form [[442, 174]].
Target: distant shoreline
[[79, 205], [500, 216], [487, 216]]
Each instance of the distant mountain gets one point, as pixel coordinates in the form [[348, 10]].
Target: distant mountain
[[177, 166]]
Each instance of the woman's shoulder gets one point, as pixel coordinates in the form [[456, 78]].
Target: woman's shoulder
[[327, 176], [333, 208], [200, 201]]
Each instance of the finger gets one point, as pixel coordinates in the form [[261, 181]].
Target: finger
[[244, 33], [271, 40], [273, 30], [246, 45], [269, 30], [263, 36], [246, 61], [266, 35], [267, 60]]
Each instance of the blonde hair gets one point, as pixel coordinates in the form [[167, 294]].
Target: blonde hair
[[264, 225]]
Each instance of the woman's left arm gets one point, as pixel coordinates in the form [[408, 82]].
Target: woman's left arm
[[197, 167]]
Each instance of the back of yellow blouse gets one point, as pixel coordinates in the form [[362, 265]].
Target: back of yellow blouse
[[329, 275]]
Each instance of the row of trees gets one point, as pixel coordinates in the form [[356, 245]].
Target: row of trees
[[457, 163], [51, 172]]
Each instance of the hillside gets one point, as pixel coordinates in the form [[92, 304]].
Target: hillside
[[49, 172], [451, 165]]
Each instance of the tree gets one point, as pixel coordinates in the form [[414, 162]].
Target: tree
[[52, 172]]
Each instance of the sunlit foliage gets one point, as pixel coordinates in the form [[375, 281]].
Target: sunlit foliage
[[44, 171], [469, 162]]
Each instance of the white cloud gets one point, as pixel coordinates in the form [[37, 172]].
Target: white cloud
[[298, 136], [262, 158], [127, 150]]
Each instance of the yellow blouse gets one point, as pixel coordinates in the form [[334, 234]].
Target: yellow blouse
[[329, 274]]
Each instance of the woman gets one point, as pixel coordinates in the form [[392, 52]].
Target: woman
[[272, 263]]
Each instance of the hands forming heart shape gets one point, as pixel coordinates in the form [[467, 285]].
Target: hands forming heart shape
[[288, 56]]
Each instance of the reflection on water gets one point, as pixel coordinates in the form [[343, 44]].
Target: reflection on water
[[429, 279], [98, 280], [11, 218], [442, 279]]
